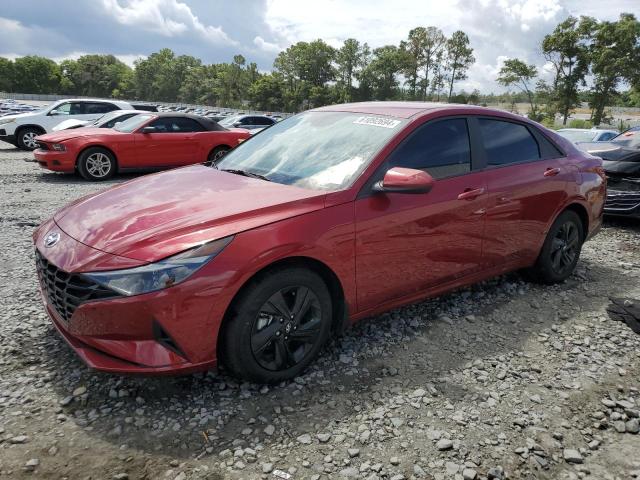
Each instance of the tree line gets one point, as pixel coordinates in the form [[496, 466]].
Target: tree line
[[307, 74], [425, 66]]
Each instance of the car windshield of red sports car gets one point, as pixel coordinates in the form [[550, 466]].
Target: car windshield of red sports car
[[315, 150]]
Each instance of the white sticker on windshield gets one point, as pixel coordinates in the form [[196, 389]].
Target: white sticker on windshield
[[377, 122]]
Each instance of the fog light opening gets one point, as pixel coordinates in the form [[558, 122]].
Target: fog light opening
[[163, 338]]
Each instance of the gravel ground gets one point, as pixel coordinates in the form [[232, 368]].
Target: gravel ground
[[503, 380]]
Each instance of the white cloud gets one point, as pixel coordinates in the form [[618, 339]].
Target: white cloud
[[128, 59], [170, 18], [267, 46]]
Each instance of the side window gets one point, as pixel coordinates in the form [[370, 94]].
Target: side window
[[606, 136], [97, 108], [63, 108], [176, 125], [263, 121], [507, 142], [441, 148], [76, 108], [186, 125]]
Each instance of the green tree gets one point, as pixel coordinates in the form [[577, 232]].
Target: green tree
[[433, 54], [615, 58], [567, 51], [413, 50], [267, 93], [160, 75], [459, 58], [386, 65], [349, 60], [7, 75], [94, 75], [36, 74], [517, 73]]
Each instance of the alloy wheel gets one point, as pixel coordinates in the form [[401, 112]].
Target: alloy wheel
[[564, 247], [29, 140], [98, 165], [286, 328]]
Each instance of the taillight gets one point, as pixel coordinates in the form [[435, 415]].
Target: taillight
[[598, 170]]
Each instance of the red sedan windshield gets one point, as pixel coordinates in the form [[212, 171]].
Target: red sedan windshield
[[315, 150]]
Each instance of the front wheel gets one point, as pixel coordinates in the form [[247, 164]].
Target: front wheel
[[561, 250], [277, 326], [26, 138], [96, 164]]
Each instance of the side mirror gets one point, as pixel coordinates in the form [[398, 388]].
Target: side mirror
[[54, 113], [405, 180], [237, 124], [148, 130]]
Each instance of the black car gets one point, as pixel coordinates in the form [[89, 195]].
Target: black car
[[621, 162]]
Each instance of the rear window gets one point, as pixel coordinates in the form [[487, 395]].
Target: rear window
[[507, 142]]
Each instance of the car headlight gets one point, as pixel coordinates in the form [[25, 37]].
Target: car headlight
[[162, 274], [59, 147]]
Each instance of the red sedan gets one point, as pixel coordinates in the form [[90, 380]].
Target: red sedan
[[148, 141], [328, 217]]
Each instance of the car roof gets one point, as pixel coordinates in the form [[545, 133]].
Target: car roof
[[401, 109]]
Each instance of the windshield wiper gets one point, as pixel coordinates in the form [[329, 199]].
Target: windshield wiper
[[245, 173]]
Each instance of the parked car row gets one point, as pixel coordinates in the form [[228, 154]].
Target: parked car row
[[20, 124], [12, 107], [257, 258]]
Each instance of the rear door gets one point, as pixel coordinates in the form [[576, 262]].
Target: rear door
[[406, 243], [527, 179], [172, 144]]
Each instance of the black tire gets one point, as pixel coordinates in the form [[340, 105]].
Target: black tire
[[258, 344], [96, 164], [25, 138], [216, 154], [560, 251]]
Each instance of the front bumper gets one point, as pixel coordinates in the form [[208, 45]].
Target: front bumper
[[622, 203], [7, 137], [55, 161], [170, 331]]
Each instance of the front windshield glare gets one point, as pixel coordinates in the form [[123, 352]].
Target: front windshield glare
[[132, 123], [316, 150]]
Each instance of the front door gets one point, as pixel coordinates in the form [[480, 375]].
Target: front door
[[406, 243], [173, 143]]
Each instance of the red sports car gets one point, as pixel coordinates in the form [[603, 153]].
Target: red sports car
[[149, 141], [325, 218]]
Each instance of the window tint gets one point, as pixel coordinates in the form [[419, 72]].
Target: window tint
[[441, 148], [507, 142], [176, 125], [69, 108], [606, 136], [94, 108], [262, 121]]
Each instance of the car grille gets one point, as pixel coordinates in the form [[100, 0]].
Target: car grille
[[621, 201], [67, 291]]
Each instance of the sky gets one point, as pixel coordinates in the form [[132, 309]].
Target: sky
[[215, 30]]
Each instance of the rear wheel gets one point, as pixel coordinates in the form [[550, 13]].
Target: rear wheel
[[561, 250], [278, 326], [216, 154], [26, 138], [96, 164]]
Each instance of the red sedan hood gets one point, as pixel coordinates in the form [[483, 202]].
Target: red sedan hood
[[63, 135], [158, 215]]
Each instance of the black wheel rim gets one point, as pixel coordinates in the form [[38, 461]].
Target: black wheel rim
[[565, 247], [286, 328]]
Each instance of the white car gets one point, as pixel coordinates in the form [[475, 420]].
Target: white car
[[577, 135], [22, 129], [108, 120]]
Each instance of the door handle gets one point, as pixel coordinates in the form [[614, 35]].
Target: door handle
[[470, 193], [551, 172]]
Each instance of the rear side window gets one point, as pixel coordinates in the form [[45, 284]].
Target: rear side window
[[507, 142], [262, 121], [121, 118], [94, 108], [176, 125], [440, 148]]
